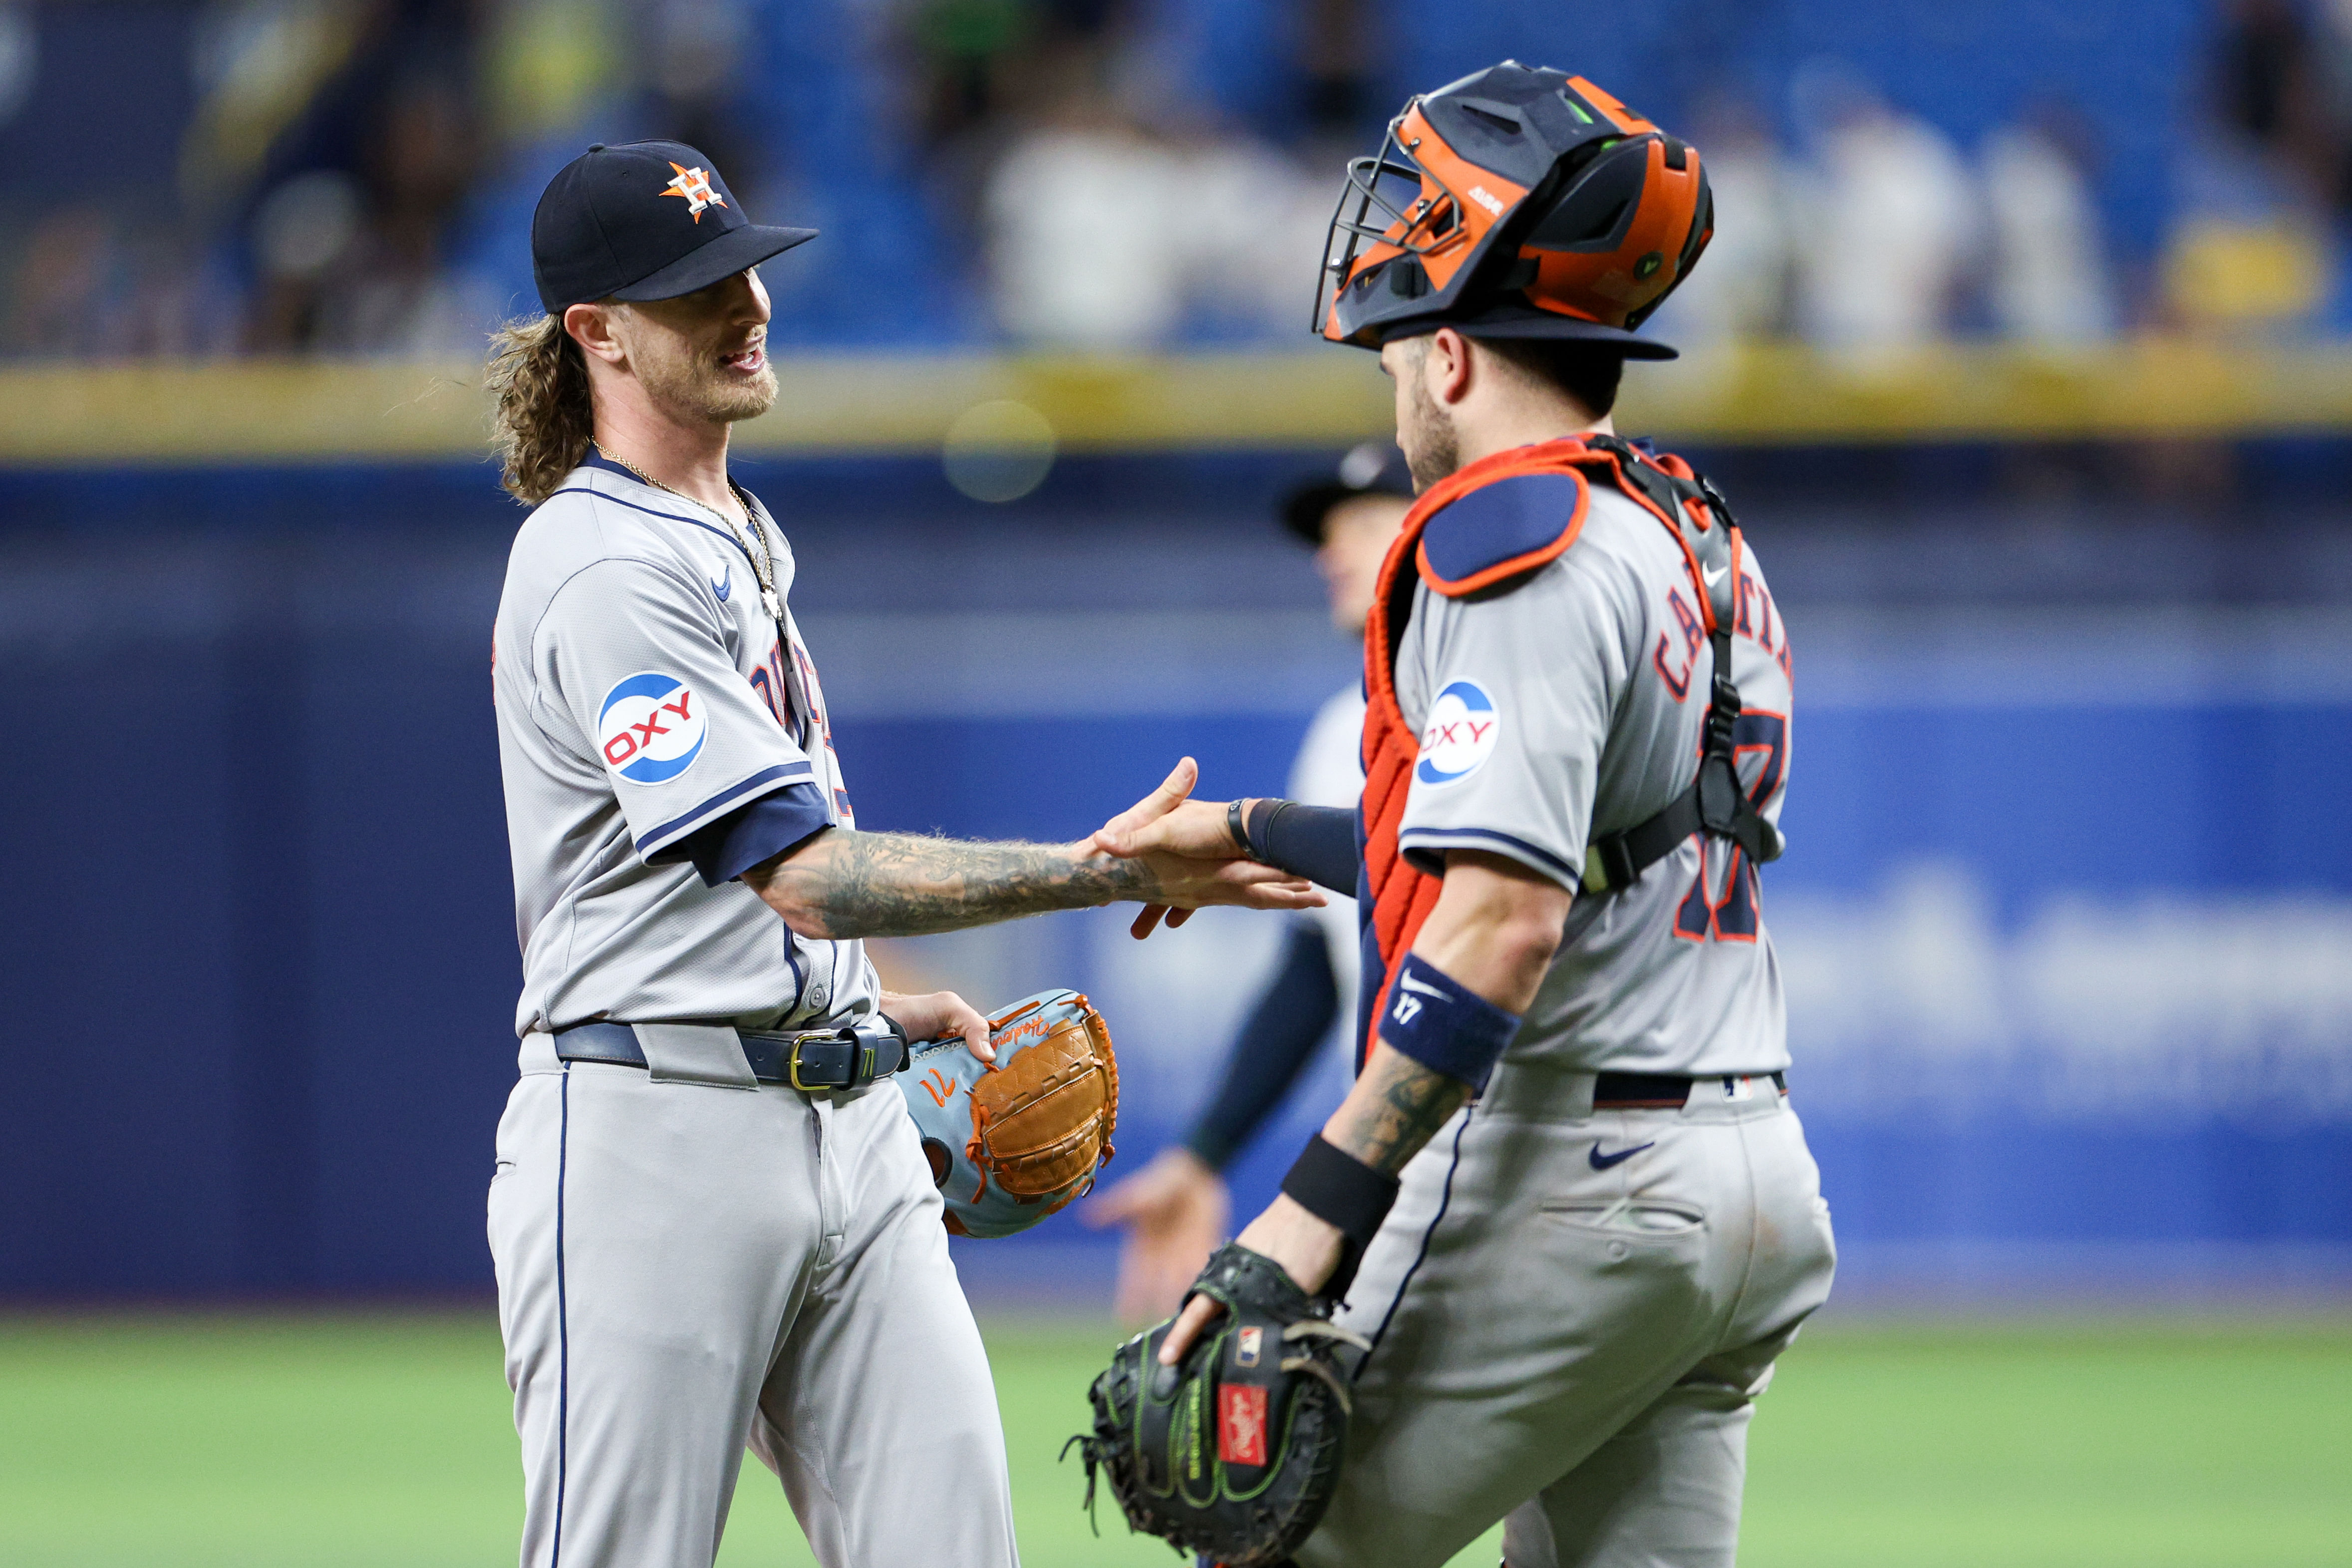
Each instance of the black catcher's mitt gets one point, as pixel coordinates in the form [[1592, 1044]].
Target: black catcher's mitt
[[1234, 1452]]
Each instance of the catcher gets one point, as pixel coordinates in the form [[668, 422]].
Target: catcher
[[1566, 1207]]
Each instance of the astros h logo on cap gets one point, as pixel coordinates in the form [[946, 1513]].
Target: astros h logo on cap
[[694, 184], [610, 225]]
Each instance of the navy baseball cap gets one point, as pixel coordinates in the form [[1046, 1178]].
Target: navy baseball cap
[[647, 220], [1374, 469]]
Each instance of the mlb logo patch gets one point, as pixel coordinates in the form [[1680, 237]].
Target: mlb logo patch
[[1241, 1425], [1245, 1346]]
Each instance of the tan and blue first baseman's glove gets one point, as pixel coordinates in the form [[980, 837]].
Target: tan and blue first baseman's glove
[[1234, 1451], [1011, 1144]]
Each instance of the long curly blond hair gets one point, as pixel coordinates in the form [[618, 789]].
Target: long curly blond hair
[[545, 417]]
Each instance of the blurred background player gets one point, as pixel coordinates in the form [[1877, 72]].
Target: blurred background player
[[1175, 1208]]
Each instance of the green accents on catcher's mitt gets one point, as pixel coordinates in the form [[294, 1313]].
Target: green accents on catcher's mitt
[[1234, 1452], [1010, 1145]]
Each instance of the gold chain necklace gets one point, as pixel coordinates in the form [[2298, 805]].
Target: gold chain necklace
[[763, 564]]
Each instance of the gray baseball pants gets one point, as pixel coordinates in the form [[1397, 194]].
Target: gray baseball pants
[[1572, 1338], [687, 1268]]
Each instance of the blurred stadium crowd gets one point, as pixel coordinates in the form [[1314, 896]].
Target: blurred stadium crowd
[[356, 176], [2066, 958]]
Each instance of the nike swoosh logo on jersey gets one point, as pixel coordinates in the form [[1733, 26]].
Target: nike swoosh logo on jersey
[[1714, 576], [1601, 1161], [724, 588]]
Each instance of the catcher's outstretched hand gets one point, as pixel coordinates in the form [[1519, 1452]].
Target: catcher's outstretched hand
[[1174, 1211], [1186, 842], [1167, 821]]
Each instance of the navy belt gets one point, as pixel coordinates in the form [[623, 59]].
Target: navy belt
[[1662, 1090], [806, 1058]]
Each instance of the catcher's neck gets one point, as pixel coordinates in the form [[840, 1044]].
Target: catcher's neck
[[1506, 429]]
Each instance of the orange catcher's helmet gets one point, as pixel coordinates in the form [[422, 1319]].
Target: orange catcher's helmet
[[1519, 201]]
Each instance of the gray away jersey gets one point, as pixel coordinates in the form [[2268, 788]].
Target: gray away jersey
[[643, 691], [1574, 704]]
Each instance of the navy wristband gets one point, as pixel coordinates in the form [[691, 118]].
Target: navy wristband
[[1444, 1025]]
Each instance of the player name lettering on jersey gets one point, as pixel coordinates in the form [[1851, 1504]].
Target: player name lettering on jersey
[[1460, 735], [651, 728]]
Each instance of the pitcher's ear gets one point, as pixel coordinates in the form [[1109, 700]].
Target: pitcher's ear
[[595, 328]]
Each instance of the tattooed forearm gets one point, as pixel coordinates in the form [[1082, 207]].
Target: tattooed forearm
[[1397, 1106], [846, 884]]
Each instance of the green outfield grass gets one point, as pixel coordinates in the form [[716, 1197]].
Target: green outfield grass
[[319, 1442]]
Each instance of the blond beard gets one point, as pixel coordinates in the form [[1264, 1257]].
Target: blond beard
[[680, 382]]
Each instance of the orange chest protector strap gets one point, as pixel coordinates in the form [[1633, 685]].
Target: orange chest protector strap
[[1395, 897]]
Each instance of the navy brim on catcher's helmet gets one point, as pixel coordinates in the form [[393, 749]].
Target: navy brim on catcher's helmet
[[649, 220], [1515, 203], [1523, 322]]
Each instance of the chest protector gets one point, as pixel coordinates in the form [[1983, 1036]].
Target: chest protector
[[1394, 896]]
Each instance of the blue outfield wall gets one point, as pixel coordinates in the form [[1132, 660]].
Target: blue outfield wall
[[2066, 921]]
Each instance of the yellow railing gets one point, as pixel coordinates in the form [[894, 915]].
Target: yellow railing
[[251, 412]]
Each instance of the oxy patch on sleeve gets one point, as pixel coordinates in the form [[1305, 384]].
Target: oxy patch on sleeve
[[1501, 531], [1460, 735], [650, 728]]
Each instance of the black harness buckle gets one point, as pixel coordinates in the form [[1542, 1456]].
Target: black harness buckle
[[1718, 795]]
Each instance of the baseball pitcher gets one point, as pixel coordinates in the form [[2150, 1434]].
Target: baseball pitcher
[[713, 1219]]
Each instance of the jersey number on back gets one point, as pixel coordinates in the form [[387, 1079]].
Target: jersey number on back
[[1733, 917]]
